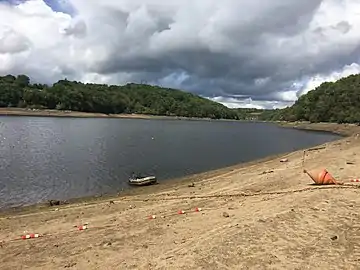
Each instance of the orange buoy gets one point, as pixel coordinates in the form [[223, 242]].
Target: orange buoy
[[82, 227], [321, 177], [31, 235]]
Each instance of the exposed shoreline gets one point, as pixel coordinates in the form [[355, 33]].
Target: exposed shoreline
[[339, 129], [75, 114], [263, 213]]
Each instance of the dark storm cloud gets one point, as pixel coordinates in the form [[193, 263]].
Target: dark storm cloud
[[228, 72], [249, 48]]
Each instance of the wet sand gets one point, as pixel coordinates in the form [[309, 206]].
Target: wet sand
[[261, 215]]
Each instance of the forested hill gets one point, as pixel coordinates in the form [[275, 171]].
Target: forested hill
[[330, 102], [108, 99]]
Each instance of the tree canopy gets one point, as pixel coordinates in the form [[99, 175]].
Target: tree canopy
[[108, 99], [330, 102]]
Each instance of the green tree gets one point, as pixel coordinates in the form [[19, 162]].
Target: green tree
[[113, 99]]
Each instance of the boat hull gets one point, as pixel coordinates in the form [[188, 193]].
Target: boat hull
[[151, 180]]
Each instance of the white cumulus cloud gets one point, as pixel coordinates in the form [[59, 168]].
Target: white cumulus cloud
[[239, 52]]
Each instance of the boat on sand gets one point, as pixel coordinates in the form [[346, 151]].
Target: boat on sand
[[141, 180]]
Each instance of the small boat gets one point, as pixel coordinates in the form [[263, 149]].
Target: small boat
[[139, 180]]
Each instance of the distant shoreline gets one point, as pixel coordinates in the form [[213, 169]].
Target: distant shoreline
[[76, 114], [339, 129], [344, 130]]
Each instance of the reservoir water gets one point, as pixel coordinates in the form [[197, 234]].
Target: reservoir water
[[45, 158]]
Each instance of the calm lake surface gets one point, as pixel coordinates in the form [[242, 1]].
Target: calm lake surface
[[45, 158]]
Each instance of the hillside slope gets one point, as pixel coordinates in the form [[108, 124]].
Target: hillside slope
[[330, 102], [108, 99]]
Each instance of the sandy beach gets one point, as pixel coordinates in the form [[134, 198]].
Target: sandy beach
[[261, 215]]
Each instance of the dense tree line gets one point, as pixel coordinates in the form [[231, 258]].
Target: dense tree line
[[330, 102], [108, 99]]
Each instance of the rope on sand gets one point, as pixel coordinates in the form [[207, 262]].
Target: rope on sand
[[170, 198]]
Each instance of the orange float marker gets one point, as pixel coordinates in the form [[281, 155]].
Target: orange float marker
[[31, 235], [322, 177], [82, 227]]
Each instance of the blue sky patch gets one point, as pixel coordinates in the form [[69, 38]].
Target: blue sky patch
[[56, 5], [61, 6]]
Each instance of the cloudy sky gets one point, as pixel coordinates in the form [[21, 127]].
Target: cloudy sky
[[242, 53]]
